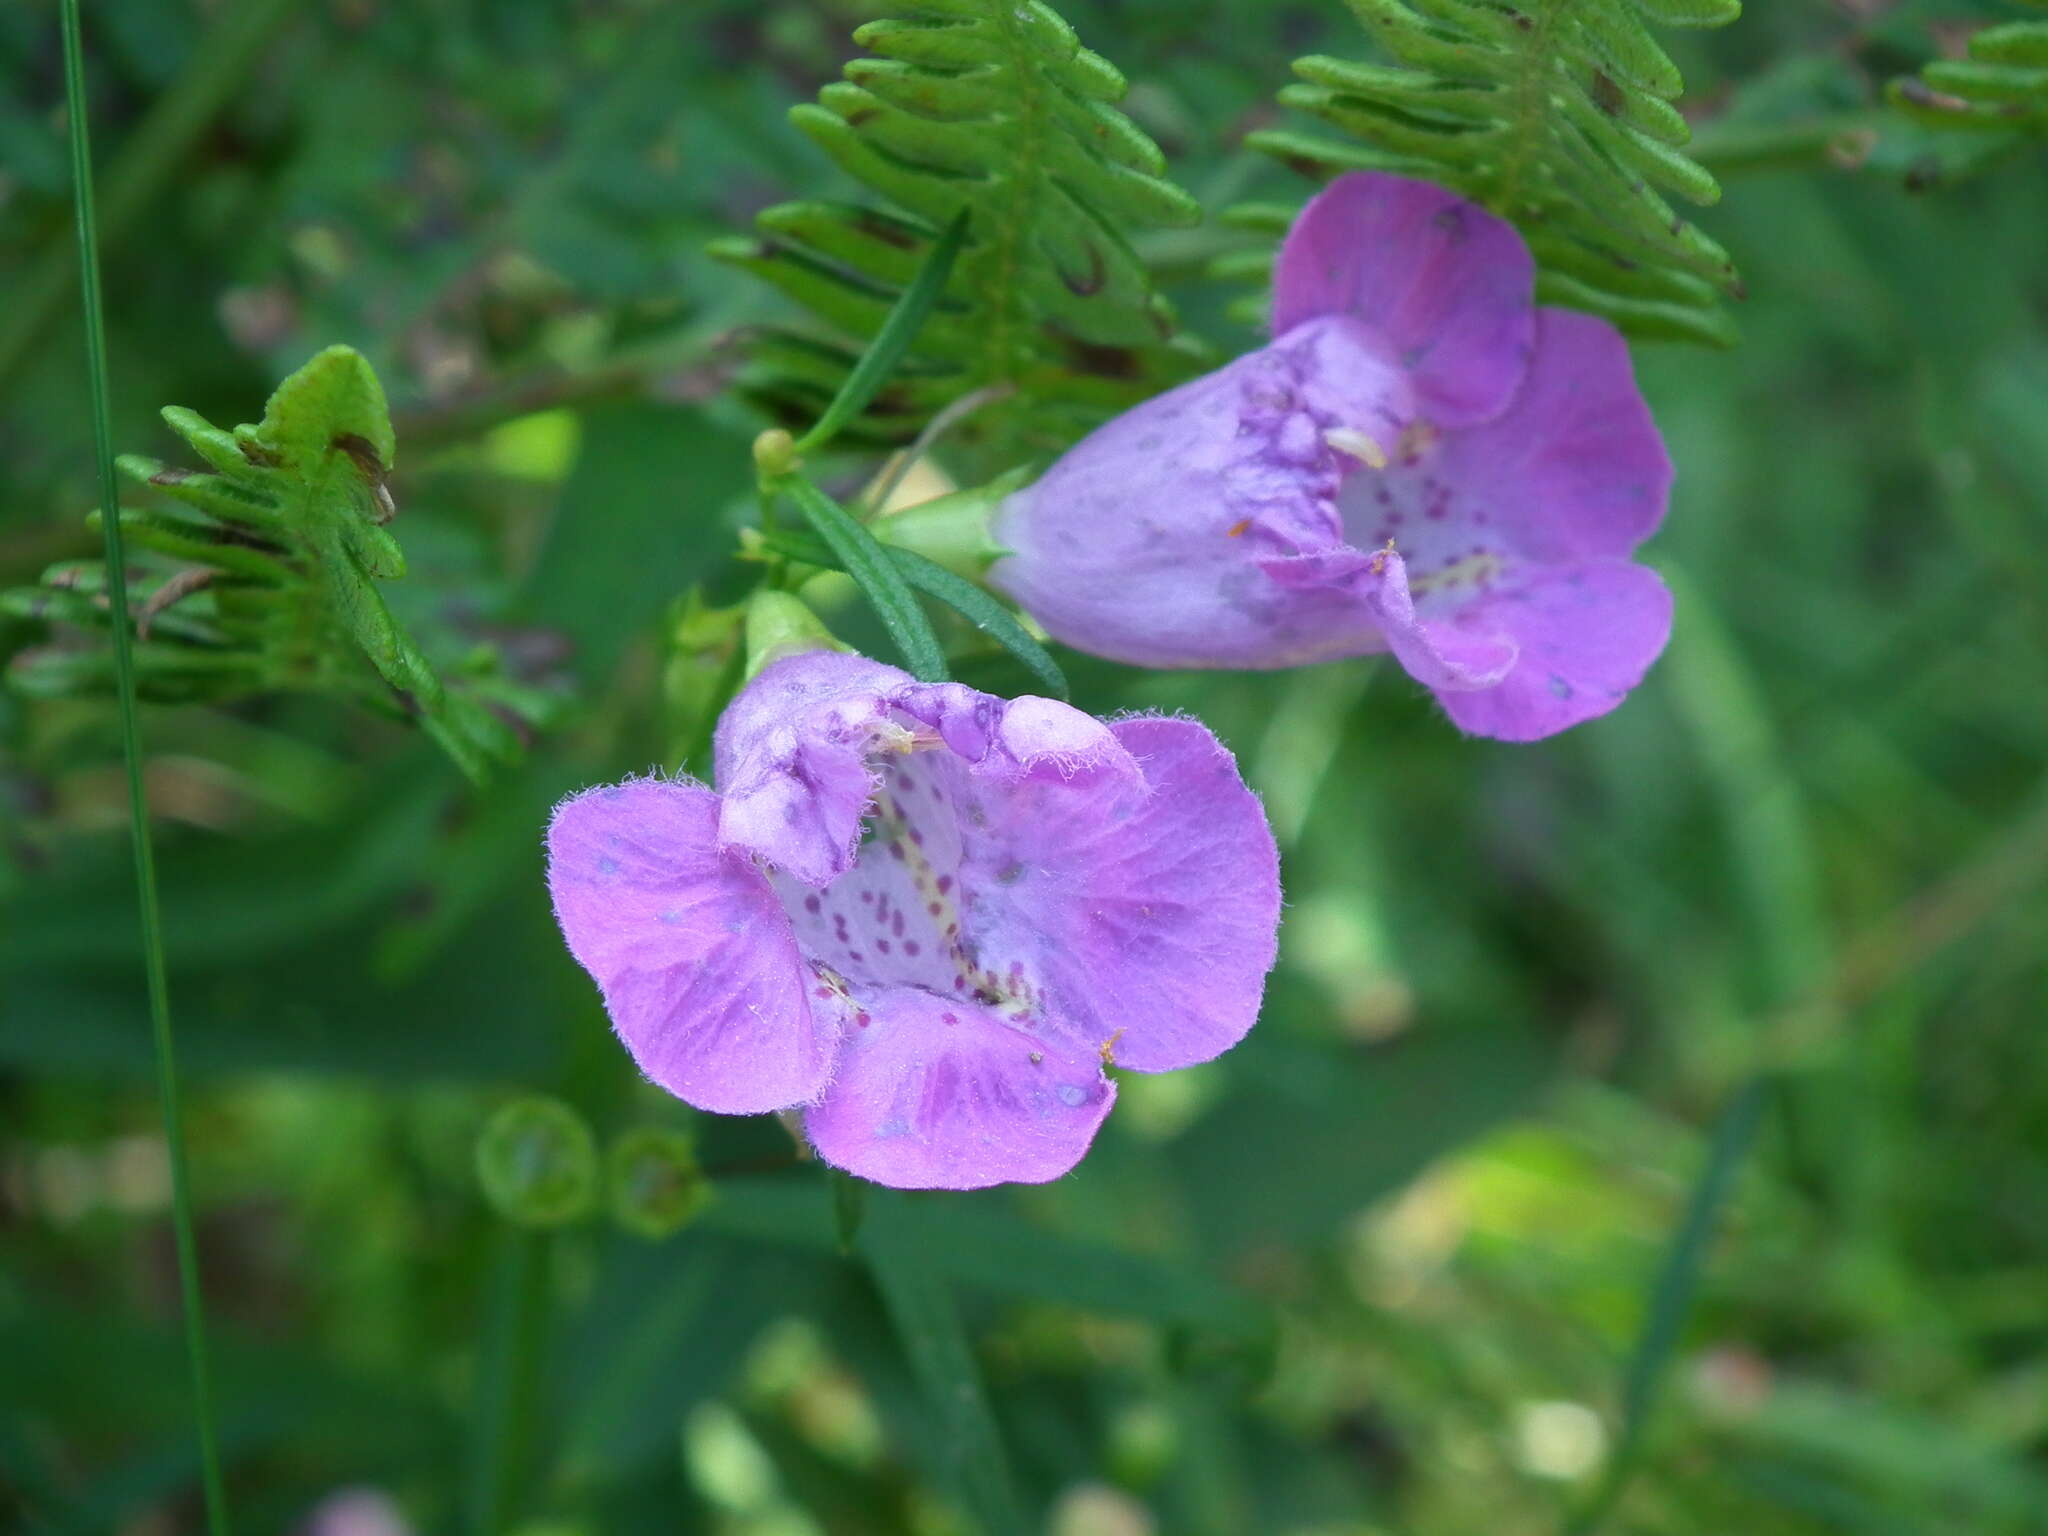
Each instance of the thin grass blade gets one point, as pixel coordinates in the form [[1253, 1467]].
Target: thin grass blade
[[93, 305], [1671, 1300]]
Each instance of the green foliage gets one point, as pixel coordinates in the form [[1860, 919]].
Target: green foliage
[[1556, 114], [1997, 93], [270, 563], [992, 108]]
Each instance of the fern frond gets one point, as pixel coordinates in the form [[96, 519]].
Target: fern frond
[[994, 107], [1556, 114], [1997, 92], [266, 569]]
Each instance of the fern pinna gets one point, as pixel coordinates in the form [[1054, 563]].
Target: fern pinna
[[995, 108], [1558, 115], [1997, 93]]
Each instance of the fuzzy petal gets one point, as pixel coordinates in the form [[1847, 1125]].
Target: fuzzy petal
[[1573, 470], [690, 947], [1448, 286], [937, 1093], [1146, 542], [1138, 917], [1438, 654], [792, 753], [1586, 635]]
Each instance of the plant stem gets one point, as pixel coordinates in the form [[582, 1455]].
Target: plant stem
[[508, 1378], [131, 750]]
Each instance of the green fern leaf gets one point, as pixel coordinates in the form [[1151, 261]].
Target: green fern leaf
[[994, 108], [1556, 114], [271, 561], [1997, 92]]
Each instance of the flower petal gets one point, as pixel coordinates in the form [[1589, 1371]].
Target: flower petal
[[1586, 634], [1440, 654], [1573, 470], [793, 769], [935, 1093], [1137, 916], [690, 947], [1145, 541], [1448, 286]]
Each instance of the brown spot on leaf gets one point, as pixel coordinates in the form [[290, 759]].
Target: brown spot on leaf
[[1096, 359], [1091, 284], [1607, 94]]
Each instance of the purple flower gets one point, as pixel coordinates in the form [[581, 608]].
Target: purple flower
[[927, 915], [1422, 462]]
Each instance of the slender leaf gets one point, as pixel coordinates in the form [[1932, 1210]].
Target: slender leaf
[[868, 563], [192, 1300], [1677, 1281], [892, 340], [981, 610]]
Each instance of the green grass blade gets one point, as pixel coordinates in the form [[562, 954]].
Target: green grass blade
[[1677, 1282], [868, 563], [131, 748], [905, 320]]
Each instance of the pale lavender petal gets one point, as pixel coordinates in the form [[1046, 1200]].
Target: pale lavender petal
[[1146, 542], [941, 1093], [1573, 470], [1141, 918], [1586, 633], [1439, 654], [690, 947], [792, 760], [1447, 286]]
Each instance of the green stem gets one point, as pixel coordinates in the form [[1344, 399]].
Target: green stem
[[153, 152], [508, 1379], [131, 750]]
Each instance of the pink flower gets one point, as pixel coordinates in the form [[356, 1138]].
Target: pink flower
[[1422, 461], [926, 915]]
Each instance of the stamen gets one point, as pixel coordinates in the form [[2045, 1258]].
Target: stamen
[[1361, 447]]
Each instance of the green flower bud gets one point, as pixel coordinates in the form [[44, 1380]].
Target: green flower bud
[[537, 1162]]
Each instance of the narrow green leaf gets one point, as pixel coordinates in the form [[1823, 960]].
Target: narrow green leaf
[[983, 612], [892, 340], [868, 563], [1672, 1296], [980, 609], [191, 1298]]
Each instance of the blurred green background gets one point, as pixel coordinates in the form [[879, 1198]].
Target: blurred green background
[[1382, 1269]]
